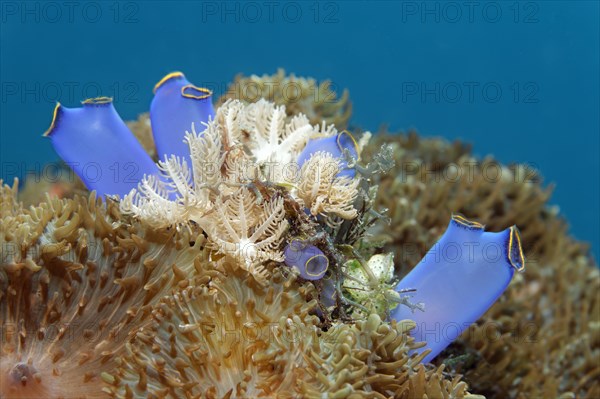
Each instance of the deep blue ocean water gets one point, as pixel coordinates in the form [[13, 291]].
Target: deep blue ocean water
[[519, 80]]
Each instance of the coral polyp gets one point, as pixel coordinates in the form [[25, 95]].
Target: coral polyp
[[318, 101], [226, 336], [76, 278]]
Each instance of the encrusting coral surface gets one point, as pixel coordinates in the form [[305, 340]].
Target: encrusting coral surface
[[318, 101], [76, 278]]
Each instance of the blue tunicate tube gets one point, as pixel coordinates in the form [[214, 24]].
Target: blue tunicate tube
[[175, 106], [95, 142], [335, 145], [460, 277], [309, 260]]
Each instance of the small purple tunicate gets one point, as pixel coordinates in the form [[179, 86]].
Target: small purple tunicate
[[328, 291], [308, 259]]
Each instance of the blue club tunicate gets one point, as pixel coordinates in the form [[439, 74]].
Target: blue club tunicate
[[95, 142], [460, 277], [335, 145], [310, 261], [175, 106]]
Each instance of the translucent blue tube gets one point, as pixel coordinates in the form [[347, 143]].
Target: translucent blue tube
[[460, 277], [328, 293], [95, 142], [310, 261], [175, 106], [334, 145]]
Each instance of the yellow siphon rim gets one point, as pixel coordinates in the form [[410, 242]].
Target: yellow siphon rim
[[53, 123], [310, 259], [460, 219], [97, 101], [353, 142], [207, 92], [515, 240], [167, 77]]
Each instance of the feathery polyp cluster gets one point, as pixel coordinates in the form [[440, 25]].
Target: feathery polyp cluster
[[242, 148], [180, 194], [273, 140], [250, 232], [323, 191]]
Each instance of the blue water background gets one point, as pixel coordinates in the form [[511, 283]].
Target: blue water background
[[533, 68]]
